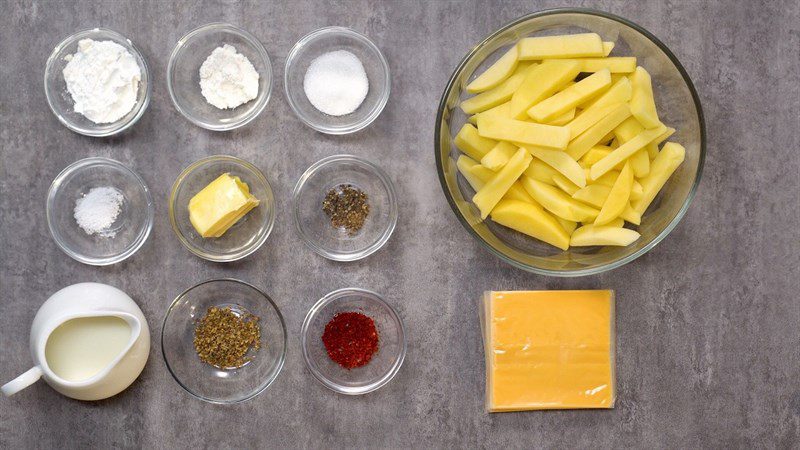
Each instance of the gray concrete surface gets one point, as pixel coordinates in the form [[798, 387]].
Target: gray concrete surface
[[708, 342]]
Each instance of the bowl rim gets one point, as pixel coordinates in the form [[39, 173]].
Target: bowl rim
[[323, 32], [137, 243], [131, 47], [393, 209], [270, 219], [281, 359], [451, 84], [254, 42], [330, 298]]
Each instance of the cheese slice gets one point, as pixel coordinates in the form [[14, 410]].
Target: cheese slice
[[220, 205], [549, 350]]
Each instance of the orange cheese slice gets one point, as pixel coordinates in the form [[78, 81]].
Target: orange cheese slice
[[549, 350]]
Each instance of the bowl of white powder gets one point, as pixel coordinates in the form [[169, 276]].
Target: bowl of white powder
[[219, 77], [99, 212], [97, 82], [337, 80]]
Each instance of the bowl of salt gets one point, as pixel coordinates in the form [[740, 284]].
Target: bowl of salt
[[337, 81], [99, 211]]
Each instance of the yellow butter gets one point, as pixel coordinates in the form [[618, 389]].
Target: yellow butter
[[218, 206], [549, 350]]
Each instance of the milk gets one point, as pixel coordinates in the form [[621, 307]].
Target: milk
[[80, 348]]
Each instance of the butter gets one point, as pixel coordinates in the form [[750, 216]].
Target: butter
[[549, 350], [220, 205]]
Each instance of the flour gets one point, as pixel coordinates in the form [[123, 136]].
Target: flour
[[336, 83], [228, 79], [96, 211], [103, 80]]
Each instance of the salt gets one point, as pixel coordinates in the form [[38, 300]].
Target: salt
[[336, 83], [96, 211]]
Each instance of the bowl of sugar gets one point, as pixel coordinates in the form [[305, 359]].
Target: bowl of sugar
[[337, 81], [99, 211]]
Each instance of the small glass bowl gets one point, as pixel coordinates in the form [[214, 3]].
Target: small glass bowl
[[204, 381], [60, 100], [183, 76], [131, 228], [315, 226], [246, 235], [385, 363], [326, 40]]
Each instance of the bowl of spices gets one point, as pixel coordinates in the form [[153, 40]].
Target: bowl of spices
[[337, 80], [224, 341], [222, 208], [344, 207], [97, 82], [353, 341], [219, 76], [99, 211]]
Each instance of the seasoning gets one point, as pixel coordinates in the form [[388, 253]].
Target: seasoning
[[98, 209], [347, 207], [223, 337], [350, 339], [336, 83]]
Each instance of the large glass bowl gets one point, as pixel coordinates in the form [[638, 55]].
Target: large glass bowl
[[678, 106], [205, 381]]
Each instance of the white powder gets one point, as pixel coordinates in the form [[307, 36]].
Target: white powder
[[336, 83], [103, 80], [96, 211], [228, 79]]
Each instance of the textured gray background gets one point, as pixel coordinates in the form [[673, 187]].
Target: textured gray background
[[708, 341]]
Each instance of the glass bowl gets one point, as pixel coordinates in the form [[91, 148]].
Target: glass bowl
[[244, 237], [203, 380], [679, 107], [384, 364], [183, 76], [131, 227], [60, 100], [315, 227], [326, 40]]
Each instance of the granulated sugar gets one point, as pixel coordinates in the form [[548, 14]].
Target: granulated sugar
[[336, 83]]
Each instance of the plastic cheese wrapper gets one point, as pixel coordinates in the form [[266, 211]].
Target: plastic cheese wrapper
[[548, 349]]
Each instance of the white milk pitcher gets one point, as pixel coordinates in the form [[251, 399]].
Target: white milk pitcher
[[89, 341]]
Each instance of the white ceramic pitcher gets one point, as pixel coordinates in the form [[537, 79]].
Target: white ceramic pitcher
[[87, 300]]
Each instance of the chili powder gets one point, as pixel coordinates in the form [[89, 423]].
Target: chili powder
[[350, 339]]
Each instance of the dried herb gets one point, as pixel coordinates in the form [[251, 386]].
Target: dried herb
[[347, 207], [223, 337]]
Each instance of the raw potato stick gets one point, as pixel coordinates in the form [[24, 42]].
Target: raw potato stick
[[521, 132], [625, 151], [491, 193], [586, 45], [570, 97], [496, 73]]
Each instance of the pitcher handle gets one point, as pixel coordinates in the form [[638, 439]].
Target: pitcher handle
[[22, 381]]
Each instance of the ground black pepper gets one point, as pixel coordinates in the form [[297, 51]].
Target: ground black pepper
[[347, 207]]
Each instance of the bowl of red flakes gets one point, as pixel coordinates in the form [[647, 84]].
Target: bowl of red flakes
[[353, 341]]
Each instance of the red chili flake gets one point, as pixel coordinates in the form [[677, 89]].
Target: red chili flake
[[350, 339]]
